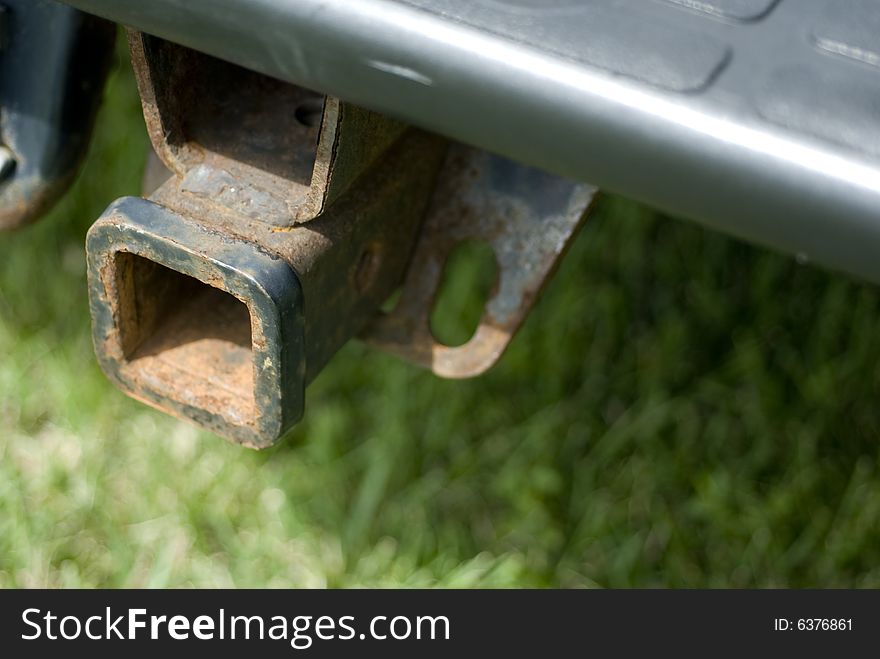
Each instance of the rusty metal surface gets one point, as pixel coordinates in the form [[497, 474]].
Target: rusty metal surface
[[53, 62], [267, 149], [231, 134], [526, 216], [209, 300], [351, 141], [165, 294]]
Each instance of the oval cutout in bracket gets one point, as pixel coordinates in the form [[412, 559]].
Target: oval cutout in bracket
[[527, 217], [470, 278]]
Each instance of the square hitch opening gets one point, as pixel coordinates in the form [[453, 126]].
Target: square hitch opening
[[196, 325], [185, 337]]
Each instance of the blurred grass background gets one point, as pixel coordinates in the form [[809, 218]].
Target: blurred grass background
[[680, 410]]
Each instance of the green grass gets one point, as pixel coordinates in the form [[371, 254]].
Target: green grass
[[679, 410]]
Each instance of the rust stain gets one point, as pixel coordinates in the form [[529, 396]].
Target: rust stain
[[242, 169], [526, 216]]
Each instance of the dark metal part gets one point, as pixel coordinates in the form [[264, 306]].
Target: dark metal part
[[527, 217], [198, 324], [53, 63], [214, 300], [252, 128]]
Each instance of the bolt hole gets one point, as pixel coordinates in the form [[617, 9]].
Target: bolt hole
[[469, 279], [367, 268], [310, 112]]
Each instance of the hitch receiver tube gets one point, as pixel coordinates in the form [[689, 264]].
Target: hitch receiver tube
[[197, 324]]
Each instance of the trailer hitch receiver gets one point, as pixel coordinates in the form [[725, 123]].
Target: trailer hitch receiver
[[201, 325], [286, 220]]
